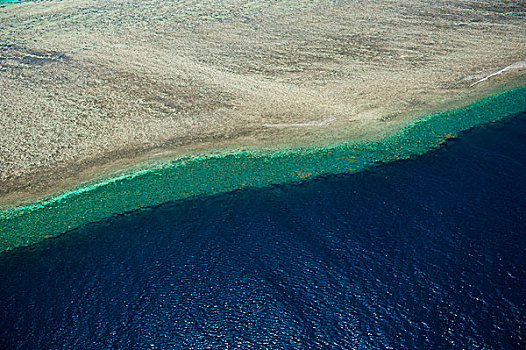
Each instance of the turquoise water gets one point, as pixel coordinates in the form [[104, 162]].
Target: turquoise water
[[12, 2], [18, 1], [212, 174]]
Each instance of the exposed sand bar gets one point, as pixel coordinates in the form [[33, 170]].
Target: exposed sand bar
[[89, 86]]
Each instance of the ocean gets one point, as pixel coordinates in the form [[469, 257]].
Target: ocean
[[421, 253]]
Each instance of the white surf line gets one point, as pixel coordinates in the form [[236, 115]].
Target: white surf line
[[516, 65], [301, 125]]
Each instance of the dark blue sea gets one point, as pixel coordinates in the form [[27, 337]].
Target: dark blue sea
[[428, 253]]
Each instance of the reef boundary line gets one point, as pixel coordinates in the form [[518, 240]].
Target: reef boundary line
[[218, 173]]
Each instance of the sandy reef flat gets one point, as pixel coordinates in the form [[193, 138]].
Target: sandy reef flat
[[88, 86]]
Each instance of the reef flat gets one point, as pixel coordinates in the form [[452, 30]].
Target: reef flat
[[91, 84], [107, 106], [207, 175]]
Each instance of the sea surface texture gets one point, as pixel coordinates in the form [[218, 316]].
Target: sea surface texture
[[425, 253]]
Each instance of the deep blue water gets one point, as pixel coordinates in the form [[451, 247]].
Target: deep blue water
[[425, 253]]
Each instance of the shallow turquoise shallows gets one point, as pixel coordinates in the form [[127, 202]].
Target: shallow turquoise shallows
[[212, 174]]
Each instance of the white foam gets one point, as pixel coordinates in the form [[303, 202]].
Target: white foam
[[516, 65]]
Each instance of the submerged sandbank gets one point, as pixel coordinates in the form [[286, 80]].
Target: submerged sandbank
[[212, 174]]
